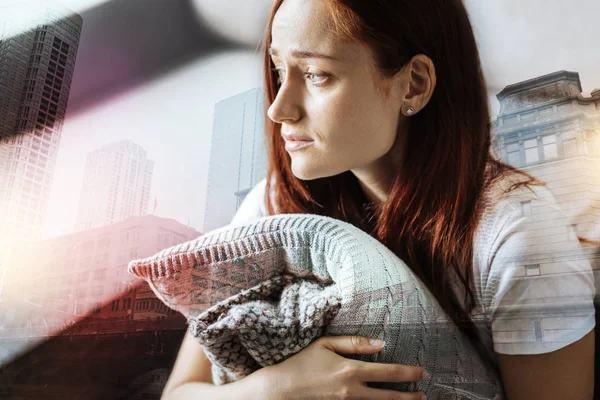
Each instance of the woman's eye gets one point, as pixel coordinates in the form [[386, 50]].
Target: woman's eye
[[315, 78]]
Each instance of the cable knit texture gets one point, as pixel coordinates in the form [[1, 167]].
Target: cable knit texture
[[258, 293]]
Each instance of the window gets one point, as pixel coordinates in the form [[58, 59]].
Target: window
[[79, 309], [592, 143], [546, 111], [537, 328], [510, 120], [526, 207], [531, 151], [550, 149], [532, 270], [514, 154], [570, 147], [97, 290], [528, 116], [104, 243], [82, 277], [81, 293], [96, 307], [99, 274]]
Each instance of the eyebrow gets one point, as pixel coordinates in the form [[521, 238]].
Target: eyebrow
[[304, 54]]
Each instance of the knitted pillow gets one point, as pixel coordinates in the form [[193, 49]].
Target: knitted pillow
[[257, 293]]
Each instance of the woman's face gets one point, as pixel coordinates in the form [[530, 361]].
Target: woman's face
[[334, 101]]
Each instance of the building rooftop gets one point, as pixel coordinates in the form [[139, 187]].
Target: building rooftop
[[540, 81]]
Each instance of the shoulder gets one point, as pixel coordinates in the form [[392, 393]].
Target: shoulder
[[253, 206], [510, 207], [527, 212]]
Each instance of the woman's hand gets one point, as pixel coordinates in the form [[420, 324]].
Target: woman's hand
[[318, 372]]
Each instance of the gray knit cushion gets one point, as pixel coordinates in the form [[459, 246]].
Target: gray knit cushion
[[257, 293]]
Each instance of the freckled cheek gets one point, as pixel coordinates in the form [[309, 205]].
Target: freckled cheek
[[334, 111], [335, 117]]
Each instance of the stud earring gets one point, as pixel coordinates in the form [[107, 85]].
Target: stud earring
[[410, 110]]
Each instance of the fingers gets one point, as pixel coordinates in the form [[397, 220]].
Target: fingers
[[349, 344], [377, 372]]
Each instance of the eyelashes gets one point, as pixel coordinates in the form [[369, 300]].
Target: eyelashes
[[277, 71]]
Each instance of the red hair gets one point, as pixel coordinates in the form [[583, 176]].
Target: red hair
[[434, 206]]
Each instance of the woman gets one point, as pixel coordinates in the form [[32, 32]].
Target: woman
[[379, 117]]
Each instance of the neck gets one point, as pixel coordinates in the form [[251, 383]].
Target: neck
[[376, 179]]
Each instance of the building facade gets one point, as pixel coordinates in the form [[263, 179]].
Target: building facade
[[547, 128], [85, 273], [116, 185], [237, 155], [38, 48]]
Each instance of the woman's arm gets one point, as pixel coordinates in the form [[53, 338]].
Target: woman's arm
[[559, 362], [191, 378], [567, 373], [191, 374]]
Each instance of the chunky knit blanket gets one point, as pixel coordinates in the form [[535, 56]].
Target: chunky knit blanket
[[258, 293]]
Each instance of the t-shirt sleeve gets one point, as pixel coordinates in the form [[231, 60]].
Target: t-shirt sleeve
[[541, 282], [253, 206]]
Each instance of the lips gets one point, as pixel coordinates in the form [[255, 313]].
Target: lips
[[296, 138]]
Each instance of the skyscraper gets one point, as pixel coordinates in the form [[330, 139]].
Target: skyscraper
[[116, 185], [38, 48], [237, 155]]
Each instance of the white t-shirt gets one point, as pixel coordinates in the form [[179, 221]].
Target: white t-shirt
[[534, 288]]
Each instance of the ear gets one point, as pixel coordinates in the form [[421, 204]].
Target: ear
[[418, 83]]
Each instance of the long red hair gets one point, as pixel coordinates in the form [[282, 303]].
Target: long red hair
[[436, 200]]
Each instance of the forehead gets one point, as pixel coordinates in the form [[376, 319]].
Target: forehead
[[306, 25]]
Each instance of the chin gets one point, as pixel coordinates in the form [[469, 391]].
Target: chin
[[304, 177], [309, 174], [305, 174]]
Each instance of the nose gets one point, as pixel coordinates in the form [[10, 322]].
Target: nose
[[286, 106]]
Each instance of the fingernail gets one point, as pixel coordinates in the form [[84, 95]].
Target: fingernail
[[376, 343], [423, 397], [425, 375]]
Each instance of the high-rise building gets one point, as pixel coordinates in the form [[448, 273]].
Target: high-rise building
[[38, 48], [116, 185], [547, 128], [237, 155]]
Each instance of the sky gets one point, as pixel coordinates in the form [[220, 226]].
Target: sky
[[520, 40], [171, 117]]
